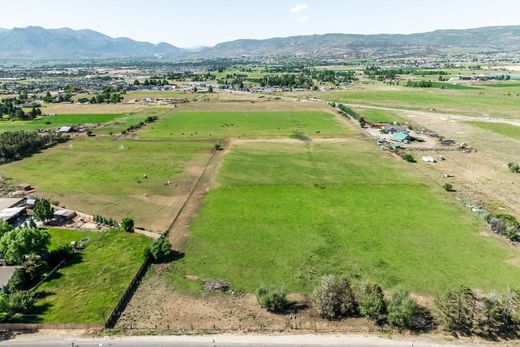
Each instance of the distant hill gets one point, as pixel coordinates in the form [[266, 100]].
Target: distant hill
[[40, 43], [506, 38]]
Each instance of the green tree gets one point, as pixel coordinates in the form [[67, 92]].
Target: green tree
[[457, 310], [18, 281], [21, 301], [34, 268], [17, 243], [403, 312], [160, 249], [127, 224], [272, 299], [43, 211], [373, 305], [334, 298]]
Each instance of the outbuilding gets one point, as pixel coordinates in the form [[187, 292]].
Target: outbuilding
[[64, 215], [401, 137]]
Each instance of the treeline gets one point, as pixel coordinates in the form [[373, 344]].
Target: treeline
[[379, 73], [419, 84], [108, 94], [148, 120], [16, 145], [459, 311], [287, 81], [350, 112], [8, 107]]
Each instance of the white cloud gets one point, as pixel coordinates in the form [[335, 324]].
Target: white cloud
[[299, 8], [303, 19]]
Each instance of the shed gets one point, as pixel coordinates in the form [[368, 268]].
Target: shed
[[8, 214], [65, 129], [24, 187], [9, 202], [391, 129], [64, 214], [401, 137]]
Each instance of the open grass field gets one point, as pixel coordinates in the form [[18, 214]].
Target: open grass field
[[134, 118], [490, 101], [508, 130], [286, 214], [100, 176], [87, 288], [237, 124], [50, 122], [379, 116]]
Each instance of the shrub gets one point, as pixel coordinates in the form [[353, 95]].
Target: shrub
[[513, 167], [21, 301], [403, 312], [127, 224], [272, 299], [497, 316], [457, 310], [34, 269], [18, 281], [447, 187], [407, 156], [160, 249], [373, 305], [334, 298]]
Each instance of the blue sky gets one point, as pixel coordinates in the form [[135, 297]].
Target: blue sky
[[188, 23]]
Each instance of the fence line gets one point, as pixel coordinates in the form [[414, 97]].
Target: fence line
[[125, 298], [37, 326]]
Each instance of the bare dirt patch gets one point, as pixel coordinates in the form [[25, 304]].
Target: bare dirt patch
[[90, 109], [158, 306]]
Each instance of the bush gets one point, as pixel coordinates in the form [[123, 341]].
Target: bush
[[21, 301], [513, 167], [447, 187], [272, 299], [160, 249], [404, 313], [498, 315], [373, 305], [34, 269], [127, 224], [18, 281], [457, 310], [407, 156], [334, 298]]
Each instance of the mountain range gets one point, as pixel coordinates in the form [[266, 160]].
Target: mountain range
[[39, 43]]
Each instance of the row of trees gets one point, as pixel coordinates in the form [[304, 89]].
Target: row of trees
[[152, 82], [148, 120], [351, 113], [376, 72], [15, 145], [335, 299], [460, 311], [12, 108], [419, 84]]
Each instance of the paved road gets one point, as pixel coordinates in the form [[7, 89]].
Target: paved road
[[218, 341]]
